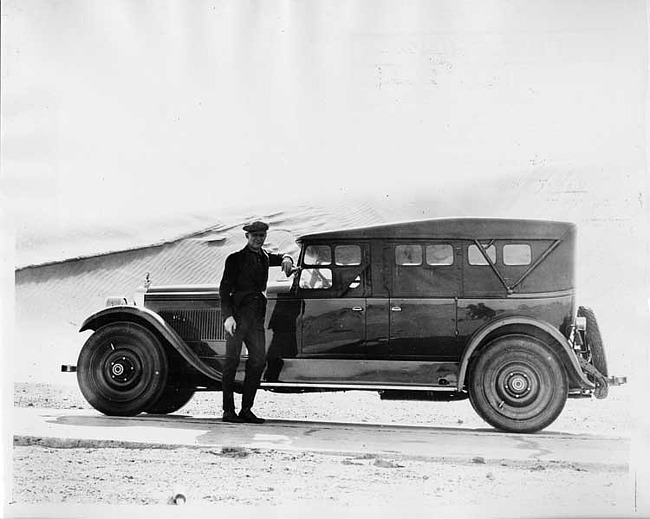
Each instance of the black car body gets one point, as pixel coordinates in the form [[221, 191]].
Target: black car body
[[438, 309]]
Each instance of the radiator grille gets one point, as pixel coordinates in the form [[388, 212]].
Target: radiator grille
[[196, 325]]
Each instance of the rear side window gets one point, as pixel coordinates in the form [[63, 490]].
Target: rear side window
[[475, 256], [408, 255], [318, 255], [517, 254], [440, 254]]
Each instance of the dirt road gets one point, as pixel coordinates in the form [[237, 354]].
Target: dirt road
[[243, 476], [447, 460], [86, 428]]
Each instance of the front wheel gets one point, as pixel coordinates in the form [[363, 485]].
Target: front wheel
[[518, 384], [171, 400], [122, 369]]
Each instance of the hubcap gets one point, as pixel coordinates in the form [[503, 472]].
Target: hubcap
[[122, 369], [517, 385]]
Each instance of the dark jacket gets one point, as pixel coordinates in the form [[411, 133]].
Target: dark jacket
[[245, 276]]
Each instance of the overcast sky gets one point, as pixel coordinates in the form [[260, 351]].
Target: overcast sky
[[118, 109]]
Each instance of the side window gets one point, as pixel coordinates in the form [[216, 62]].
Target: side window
[[440, 254], [476, 258], [517, 254], [408, 255], [334, 270], [318, 255], [347, 255], [315, 279]]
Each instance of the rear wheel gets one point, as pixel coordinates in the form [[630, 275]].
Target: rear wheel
[[518, 384], [594, 340], [122, 369]]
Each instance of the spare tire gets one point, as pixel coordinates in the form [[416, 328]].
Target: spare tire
[[594, 340]]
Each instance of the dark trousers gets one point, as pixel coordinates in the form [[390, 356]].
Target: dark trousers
[[250, 329]]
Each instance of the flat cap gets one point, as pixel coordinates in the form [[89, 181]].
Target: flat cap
[[256, 226]]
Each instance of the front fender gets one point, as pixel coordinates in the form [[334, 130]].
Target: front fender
[[482, 333], [150, 320]]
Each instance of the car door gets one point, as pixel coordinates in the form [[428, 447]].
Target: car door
[[425, 280], [332, 285]]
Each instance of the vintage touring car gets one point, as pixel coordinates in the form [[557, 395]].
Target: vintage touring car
[[441, 309]]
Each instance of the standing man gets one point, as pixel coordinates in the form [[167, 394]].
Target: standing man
[[243, 304]]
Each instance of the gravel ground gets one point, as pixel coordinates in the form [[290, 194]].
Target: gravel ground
[[251, 477], [243, 477], [610, 417]]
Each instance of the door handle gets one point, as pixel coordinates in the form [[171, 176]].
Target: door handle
[[357, 308], [396, 309]]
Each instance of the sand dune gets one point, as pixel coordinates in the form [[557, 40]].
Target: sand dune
[[53, 297]]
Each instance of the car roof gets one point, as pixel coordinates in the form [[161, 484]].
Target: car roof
[[453, 228]]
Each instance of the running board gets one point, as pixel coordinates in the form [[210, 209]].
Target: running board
[[361, 387]]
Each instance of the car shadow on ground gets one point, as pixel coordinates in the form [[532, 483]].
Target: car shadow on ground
[[188, 422]]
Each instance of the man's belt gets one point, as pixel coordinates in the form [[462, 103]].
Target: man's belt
[[246, 295]]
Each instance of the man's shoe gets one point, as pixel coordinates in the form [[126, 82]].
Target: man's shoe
[[231, 416], [249, 417]]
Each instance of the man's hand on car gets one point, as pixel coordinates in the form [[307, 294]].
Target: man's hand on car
[[287, 265], [230, 325]]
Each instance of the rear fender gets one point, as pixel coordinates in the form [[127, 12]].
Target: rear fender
[[479, 337], [151, 321]]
